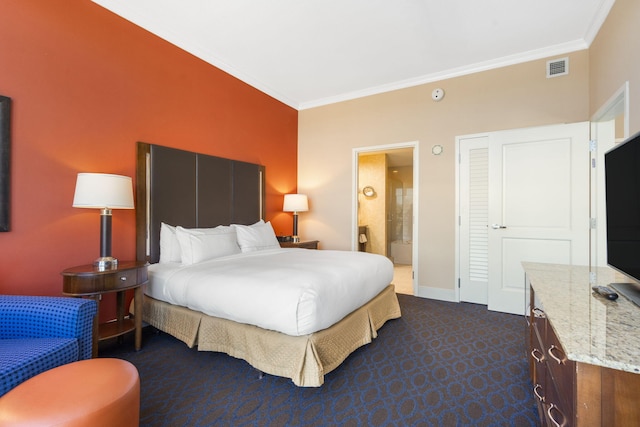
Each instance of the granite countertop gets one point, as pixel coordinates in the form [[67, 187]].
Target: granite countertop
[[591, 328]]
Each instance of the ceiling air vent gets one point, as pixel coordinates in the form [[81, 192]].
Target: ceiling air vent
[[557, 67]]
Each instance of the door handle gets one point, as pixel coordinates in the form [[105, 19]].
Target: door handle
[[498, 226]]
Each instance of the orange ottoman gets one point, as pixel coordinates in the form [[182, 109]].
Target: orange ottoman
[[93, 392]]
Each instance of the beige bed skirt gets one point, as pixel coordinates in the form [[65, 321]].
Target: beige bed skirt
[[305, 359]]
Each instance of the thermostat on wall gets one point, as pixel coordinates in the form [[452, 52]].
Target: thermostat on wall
[[437, 94], [436, 150]]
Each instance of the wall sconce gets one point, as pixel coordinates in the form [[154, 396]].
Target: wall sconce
[[104, 192], [295, 203], [368, 191]]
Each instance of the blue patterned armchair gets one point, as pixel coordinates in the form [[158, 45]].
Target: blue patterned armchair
[[40, 333]]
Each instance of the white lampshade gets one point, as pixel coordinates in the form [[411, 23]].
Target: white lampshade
[[295, 203], [101, 190]]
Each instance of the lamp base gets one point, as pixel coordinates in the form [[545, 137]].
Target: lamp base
[[295, 239], [106, 263]]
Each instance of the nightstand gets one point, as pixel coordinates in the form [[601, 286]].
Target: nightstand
[[88, 281], [310, 244]]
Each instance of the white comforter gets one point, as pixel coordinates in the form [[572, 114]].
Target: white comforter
[[293, 291]]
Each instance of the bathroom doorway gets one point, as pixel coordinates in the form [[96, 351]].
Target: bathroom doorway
[[385, 210]]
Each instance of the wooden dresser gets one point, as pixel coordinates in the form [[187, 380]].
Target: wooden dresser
[[584, 350]]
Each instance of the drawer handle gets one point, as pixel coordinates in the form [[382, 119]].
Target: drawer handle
[[553, 420], [535, 352], [560, 359], [538, 395], [123, 278]]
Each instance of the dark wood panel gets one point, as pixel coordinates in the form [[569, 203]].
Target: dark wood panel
[[589, 390], [5, 161], [173, 192], [246, 181], [143, 158], [192, 190], [214, 191], [620, 397]]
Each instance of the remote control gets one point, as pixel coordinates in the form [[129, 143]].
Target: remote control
[[605, 292]]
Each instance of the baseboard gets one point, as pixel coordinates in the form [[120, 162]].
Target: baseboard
[[437, 293]]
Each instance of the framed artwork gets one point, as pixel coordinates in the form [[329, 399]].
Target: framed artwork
[[5, 154]]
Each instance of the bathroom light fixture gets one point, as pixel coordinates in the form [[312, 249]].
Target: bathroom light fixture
[[295, 203], [368, 191], [105, 192]]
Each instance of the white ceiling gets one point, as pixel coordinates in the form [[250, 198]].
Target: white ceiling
[[308, 53]]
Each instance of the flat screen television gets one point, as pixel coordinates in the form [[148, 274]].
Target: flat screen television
[[622, 190]]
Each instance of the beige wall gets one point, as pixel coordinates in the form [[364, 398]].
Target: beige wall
[[615, 59], [511, 97]]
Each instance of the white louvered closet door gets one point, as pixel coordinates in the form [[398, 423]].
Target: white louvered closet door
[[474, 219]]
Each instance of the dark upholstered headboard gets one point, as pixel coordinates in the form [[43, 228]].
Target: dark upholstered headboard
[[192, 190]]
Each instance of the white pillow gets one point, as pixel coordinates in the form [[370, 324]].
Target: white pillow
[[169, 245], [198, 245], [170, 250], [256, 237], [255, 224]]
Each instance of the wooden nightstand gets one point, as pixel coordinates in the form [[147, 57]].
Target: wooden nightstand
[[87, 281], [310, 244]]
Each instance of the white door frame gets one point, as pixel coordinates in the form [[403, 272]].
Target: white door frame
[[616, 105], [416, 182]]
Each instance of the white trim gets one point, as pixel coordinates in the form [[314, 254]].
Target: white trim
[[610, 109], [598, 20], [456, 237], [606, 115], [439, 294], [416, 191], [557, 50]]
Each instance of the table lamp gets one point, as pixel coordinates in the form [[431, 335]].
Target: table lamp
[[295, 203], [105, 192]]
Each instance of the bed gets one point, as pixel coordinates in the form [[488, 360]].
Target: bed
[[189, 206]]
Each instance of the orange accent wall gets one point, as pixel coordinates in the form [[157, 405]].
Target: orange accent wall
[[86, 86]]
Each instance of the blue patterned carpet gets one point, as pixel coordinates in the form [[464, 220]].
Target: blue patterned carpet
[[441, 364]]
